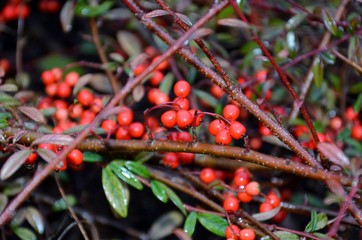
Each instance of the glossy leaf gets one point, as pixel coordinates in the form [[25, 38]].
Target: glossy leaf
[[164, 225], [318, 72], [33, 113], [190, 223], [266, 215], [317, 222], [93, 11], [213, 223], [35, 219], [92, 157], [66, 16], [56, 139], [167, 83], [124, 174], [24, 233], [282, 235], [13, 163], [175, 199], [138, 169], [116, 192], [329, 22], [159, 191]]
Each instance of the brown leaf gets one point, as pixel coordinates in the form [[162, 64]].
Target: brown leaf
[[138, 93], [13, 163], [33, 113], [233, 22], [333, 153]]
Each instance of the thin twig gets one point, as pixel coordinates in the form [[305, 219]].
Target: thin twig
[[346, 60]]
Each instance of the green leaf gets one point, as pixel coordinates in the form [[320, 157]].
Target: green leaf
[[35, 219], [116, 192], [356, 88], [190, 223], [85, 10], [92, 157], [167, 83], [24, 233], [3, 201], [318, 72], [283, 236], [213, 223], [317, 222], [60, 204], [358, 104], [328, 57], [207, 97], [138, 169], [295, 21], [7, 100], [159, 190], [123, 173], [329, 22], [175, 199]]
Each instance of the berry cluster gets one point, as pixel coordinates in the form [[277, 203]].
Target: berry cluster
[[233, 232], [13, 10]]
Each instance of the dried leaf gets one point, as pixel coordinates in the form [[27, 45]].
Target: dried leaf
[[14, 162], [56, 139], [100, 82], [159, 13], [138, 93], [233, 22], [66, 16], [200, 33], [33, 113], [333, 153]]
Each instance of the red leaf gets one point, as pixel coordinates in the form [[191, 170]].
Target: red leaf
[[13, 163], [57, 139], [33, 113]]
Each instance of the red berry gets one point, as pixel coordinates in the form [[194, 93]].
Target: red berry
[[22, 10], [109, 126], [231, 204], [139, 69], [264, 131], [216, 126], [223, 137], [162, 66], [216, 91], [97, 105], [265, 207], [85, 97], [161, 98], [241, 178], [198, 117], [356, 132], [273, 199], [9, 12], [244, 197], [122, 133], [31, 159], [48, 77], [168, 118], [237, 130], [336, 123], [136, 129], [51, 89], [156, 78], [247, 234], [231, 112], [64, 90], [252, 188], [61, 166], [75, 111], [350, 114], [170, 160], [183, 118], [182, 88], [181, 103], [184, 137], [279, 217], [207, 175], [87, 117], [186, 158], [125, 116], [232, 232], [48, 146], [260, 76], [61, 114], [72, 78], [75, 157]]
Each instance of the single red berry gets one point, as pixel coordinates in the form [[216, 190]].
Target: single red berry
[[31, 159], [350, 114], [75, 111], [58, 73], [198, 117], [186, 158], [356, 132], [125, 116], [75, 157], [182, 88], [232, 232], [52, 6], [72, 78], [244, 197], [48, 77], [136, 129], [231, 112], [216, 126], [273, 199], [336, 123], [207, 175], [255, 143], [61, 166], [247, 234], [253, 188], [9, 12], [60, 104], [161, 98], [184, 137], [162, 66], [168, 118], [264, 131], [231, 204], [61, 114], [97, 105], [181, 103], [109, 126], [22, 10], [241, 178], [51, 89], [183, 118], [261, 75], [139, 69], [237, 130], [265, 207], [156, 78], [85, 97], [48, 146], [64, 90], [122, 133], [281, 215], [216, 91], [223, 137], [87, 117], [171, 160]]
